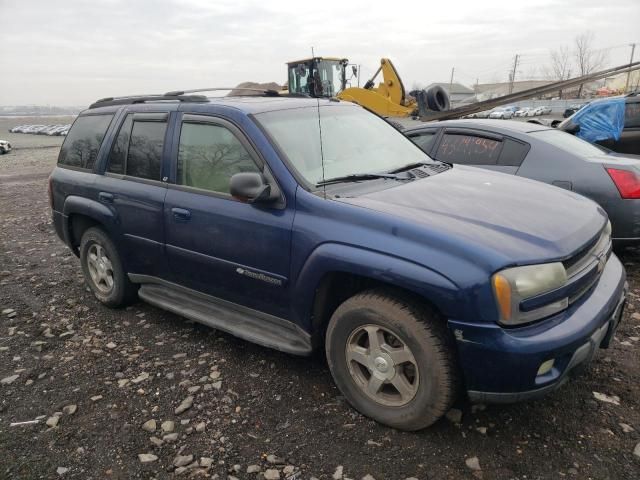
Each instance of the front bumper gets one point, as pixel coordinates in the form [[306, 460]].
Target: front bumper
[[501, 365]]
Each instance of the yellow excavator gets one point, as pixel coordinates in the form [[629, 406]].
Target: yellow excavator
[[327, 77]]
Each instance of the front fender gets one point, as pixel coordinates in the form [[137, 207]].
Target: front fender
[[334, 257]]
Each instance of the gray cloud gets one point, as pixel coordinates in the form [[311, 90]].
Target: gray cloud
[[73, 52]]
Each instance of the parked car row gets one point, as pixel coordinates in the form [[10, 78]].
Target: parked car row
[[510, 111], [42, 129], [533, 111]]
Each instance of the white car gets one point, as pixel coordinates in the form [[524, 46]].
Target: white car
[[5, 147], [501, 113], [523, 112]]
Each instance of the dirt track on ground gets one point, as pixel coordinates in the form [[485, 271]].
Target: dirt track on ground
[[252, 408]]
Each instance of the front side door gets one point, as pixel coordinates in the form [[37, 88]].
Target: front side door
[[132, 186], [215, 243], [425, 138]]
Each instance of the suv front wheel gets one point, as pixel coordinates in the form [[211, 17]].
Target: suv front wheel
[[392, 359], [103, 269]]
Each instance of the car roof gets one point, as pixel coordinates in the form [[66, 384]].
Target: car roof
[[503, 126], [249, 104]]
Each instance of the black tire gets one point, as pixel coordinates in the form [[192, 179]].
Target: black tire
[[438, 99], [425, 335], [122, 292]]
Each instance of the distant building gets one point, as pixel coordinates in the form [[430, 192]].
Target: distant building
[[458, 94]]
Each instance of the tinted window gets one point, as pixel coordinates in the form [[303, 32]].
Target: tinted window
[[424, 139], [144, 158], [632, 114], [81, 146], [468, 149], [209, 155], [118, 153], [513, 153]]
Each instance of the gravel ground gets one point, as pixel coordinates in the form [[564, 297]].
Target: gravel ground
[[142, 393]]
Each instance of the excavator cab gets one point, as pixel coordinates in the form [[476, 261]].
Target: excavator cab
[[317, 76]]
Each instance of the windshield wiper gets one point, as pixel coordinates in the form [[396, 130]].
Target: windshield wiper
[[411, 166], [355, 177]]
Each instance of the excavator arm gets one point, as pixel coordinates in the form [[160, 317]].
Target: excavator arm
[[388, 98]]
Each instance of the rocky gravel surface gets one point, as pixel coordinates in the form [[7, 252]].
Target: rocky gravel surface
[[92, 393]]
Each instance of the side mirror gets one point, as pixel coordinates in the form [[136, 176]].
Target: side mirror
[[572, 128], [251, 187], [354, 69]]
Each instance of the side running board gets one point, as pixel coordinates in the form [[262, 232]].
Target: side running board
[[242, 322]]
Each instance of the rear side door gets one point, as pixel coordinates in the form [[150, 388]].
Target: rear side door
[[217, 244], [479, 148], [132, 186]]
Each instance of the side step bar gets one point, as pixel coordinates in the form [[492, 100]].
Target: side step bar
[[242, 322]]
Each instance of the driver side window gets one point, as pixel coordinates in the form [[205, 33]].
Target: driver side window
[[209, 155]]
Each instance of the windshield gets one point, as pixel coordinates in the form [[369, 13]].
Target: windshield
[[330, 73], [354, 141], [568, 142], [325, 80]]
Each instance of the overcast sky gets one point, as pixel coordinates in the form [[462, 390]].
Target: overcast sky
[[73, 52]]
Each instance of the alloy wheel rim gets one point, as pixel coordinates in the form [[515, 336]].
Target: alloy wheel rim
[[100, 268], [382, 365]]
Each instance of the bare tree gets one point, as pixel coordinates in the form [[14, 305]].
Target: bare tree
[[560, 66], [588, 59]]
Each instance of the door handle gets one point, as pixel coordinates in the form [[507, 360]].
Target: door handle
[[181, 214], [105, 197]]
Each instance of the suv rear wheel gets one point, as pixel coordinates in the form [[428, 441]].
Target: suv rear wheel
[[392, 359], [103, 270]]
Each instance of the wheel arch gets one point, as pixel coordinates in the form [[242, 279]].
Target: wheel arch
[[335, 272], [81, 214]]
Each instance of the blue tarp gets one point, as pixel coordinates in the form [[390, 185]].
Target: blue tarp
[[601, 120]]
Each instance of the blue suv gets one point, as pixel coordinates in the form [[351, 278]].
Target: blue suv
[[304, 224]]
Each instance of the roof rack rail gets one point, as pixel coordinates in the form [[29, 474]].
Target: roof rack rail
[[110, 101], [266, 91]]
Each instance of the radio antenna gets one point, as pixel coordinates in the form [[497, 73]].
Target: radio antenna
[[324, 185]]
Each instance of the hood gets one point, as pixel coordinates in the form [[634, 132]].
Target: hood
[[519, 220]]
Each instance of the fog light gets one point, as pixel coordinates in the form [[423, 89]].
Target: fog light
[[546, 367]]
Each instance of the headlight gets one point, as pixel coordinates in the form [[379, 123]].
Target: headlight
[[514, 285]]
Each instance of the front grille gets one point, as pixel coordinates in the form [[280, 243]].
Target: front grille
[[585, 267]]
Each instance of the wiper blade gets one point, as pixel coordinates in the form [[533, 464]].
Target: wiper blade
[[354, 177], [411, 166]]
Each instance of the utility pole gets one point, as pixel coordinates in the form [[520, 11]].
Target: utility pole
[[512, 77], [633, 49], [453, 69]]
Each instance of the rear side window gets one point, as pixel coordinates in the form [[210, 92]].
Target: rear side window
[[424, 139], [209, 155], [118, 154], [513, 153], [632, 114], [144, 159], [80, 148], [468, 149], [137, 151]]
